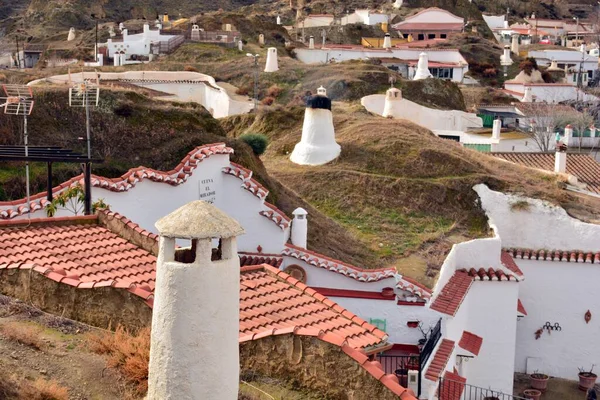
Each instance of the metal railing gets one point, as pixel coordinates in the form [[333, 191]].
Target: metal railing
[[400, 365], [449, 389], [434, 338]]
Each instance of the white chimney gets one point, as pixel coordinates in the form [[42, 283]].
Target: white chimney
[[317, 145], [527, 96], [300, 228], [593, 131], [532, 15], [505, 24], [117, 59], [387, 41], [195, 33], [553, 66], [311, 42], [560, 160], [194, 351], [146, 29], [71, 35], [514, 44], [121, 26], [278, 20], [568, 135], [496, 129], [240, 45], [393, 101], [505, 57], [422, 68], [261, 39], [123, 58], [271, 65], [398, 3]]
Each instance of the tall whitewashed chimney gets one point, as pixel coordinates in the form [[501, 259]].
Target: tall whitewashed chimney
[[505, 24], [505, 58], [398, 3], [593, 131], [300, 228], [195, 36], [240, 45], [496, 129], [527, 96], [568, 135], [387, 41], [278, 20], [317, 145], [514, 44], [393, 103], [560, 160], [271, 65], [422, 68], [311, 42], [261, 39], [71, 35], [194, 351]]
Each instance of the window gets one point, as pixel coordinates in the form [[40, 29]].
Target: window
[[381, 324], [420, 36], [443, 36], [431, 36], [442, 73]]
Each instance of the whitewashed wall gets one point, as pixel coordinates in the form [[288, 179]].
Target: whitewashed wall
[[543, 226], [311, 22], [559, 292], [551, 93], [435, 16], [426, 117], [494, 21], [138, 43]]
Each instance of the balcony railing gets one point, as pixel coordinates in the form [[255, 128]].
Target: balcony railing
[[451, 390], [400, 365], [432, 340]]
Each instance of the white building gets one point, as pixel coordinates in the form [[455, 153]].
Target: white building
[[431, 23], [443, 63], [567, 59], [365, 17], [316, 20], [149, 41]]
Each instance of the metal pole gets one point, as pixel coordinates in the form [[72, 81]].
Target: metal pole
[[18, 56], [96, 45], [88, 164], [26, 141], [255, 83], [49, 182]]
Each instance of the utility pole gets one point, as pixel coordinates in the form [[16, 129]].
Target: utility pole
[[18, 56], [255, 56]]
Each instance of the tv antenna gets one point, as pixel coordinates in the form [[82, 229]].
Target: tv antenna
[[86, 94], [18, 100]]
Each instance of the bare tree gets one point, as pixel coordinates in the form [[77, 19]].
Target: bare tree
[[581, 122], [541, 120]]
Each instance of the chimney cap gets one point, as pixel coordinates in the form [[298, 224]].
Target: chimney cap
[[299, 211], [198, 220]]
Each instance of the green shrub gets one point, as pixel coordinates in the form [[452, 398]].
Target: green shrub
[[257, 141]]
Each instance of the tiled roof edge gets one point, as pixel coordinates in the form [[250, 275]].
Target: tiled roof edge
[[577, 256], [176, 176], [69, 220]]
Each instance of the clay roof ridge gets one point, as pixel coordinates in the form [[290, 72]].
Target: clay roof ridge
[[591, 257], [127, 180]]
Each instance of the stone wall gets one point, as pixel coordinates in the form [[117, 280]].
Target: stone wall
[[104, 307], [312, 364], [118, 225]]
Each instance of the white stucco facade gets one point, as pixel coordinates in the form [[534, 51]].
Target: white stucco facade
[[365, 17], [180, 85], [542, 226], [450, 120], [136, 44], [548, 92]]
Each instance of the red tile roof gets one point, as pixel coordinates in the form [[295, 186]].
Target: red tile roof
[[521, 308], [79, 252], [439, 361], [574, 256], [453, 293], [453, 386], [490, 274], [351, 271], [273, 260], [507, 260], [354, 294], [470, 342], [271, 300], [583, 166], [406, 27]]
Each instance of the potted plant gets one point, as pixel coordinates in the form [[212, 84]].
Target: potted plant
[[587, 379], [539, 381], [532, 394]]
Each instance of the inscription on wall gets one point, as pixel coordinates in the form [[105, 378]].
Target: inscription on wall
[[207, 190]]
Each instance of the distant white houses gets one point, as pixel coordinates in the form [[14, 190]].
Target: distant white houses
[[443, 63], [432, 23], [546, 92], [317, 20], [365, 17], [568, 60], [149, 41]]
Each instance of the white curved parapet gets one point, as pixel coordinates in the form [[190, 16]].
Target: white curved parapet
[[181, 85]]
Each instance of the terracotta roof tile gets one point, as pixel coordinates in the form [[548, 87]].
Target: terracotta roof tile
[[520, 307], [556, 255], [507, 260], [470, 342], [453, 293], [439, 361], [453, 386], [583, 166]]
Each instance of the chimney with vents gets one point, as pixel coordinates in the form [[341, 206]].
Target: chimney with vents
[[261, 39], [311, 42], [514, 44], [422, 68], [300, 228], [278, 20], [527, 96], [398, 3], [317, 145], [387, 41], [560, 160], [568, 135], [194, 351], [593, 131], [272, 65], [496, 129], [393, 101]]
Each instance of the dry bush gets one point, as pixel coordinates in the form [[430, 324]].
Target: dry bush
[[242, 91], [190, 68], [2, 78], [128, 353], [274, 91], [28, 335], [267, 101], [42, 389]]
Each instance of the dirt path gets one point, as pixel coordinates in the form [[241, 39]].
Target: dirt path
[[63, 355]]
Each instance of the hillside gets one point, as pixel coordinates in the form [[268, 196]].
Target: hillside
[[405, 194]]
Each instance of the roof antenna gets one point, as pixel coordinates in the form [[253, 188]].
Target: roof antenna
[[19, 101], [86, 94]]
